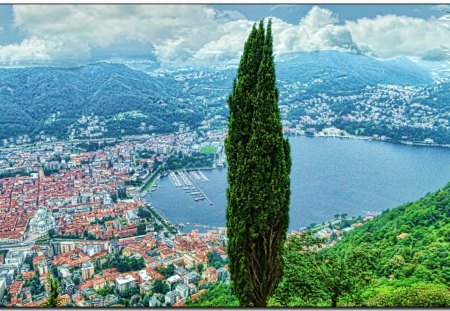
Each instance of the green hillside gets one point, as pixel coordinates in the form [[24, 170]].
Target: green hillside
[[399, 259], [411, 241]]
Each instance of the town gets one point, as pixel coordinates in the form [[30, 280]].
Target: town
[[79, 216], [75, 210]]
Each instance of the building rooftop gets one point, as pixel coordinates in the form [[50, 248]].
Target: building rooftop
[[125, 279]]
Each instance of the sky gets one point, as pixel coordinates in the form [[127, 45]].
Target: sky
[[70, 35]]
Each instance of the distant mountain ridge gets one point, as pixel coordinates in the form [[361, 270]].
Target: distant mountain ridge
[[337, 72], [29, 96], [347, 71]]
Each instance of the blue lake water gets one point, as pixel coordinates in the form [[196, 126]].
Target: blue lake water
[[329, 176]]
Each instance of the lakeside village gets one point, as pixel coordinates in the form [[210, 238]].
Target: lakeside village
[[76, 211]]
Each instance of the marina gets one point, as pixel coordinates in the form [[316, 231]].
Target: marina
[[188, 182], [175, 179], [199, 194]]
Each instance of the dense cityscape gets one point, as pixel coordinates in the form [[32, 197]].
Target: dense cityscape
[[81, 216]]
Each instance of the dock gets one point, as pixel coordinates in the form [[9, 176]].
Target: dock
[[200, 190], [175, 180], [203, 175]]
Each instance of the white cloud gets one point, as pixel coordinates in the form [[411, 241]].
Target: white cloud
[[34, 51], [318, 30], [175, 31], [391, 35], [200, 34], [228, 46]]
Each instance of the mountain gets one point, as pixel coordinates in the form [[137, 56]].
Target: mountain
[[124, 99], [341, 71], [334, 71], [29, 96]]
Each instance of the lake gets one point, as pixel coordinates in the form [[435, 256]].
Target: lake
[[329, 176]]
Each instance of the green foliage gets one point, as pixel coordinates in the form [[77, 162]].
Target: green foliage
[[300, 285], [411, 266], [314, 278], [141, 229], [195, 160], [258, 174], [215, 260], [52, 299], [208, 150], [144, 213], [35, 286], [218, 295], [129, 292], [160, 287], [416, 295], [105, 291], [168, 271], [125, 263], [48, 172], [347, 275], [14, 173], [422, 253], [51, 233], [411, 270], [200, 268], [76, 280], [54, 270], [41, 92]]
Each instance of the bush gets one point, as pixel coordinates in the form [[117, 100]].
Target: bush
[[417, 295]]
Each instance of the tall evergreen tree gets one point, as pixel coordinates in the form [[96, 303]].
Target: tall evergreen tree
[[258, 174]]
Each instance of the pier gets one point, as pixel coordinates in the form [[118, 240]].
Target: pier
[[184, 178], [175, 180], [203, 175], [200, 190]]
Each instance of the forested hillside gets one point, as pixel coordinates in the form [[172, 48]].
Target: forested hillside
[[52, 99], [399, 259]]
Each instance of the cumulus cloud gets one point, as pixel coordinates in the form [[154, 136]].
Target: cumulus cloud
[[318, 30], [175, 32], [36, 51], [391, 36], [168, 28], [200, 34]]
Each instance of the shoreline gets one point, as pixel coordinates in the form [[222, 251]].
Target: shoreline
[[369, 138], [288, 134]]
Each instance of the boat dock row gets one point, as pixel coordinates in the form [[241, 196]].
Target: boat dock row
[[185, 179], [198, 194], [175, 179], [198, 175], [189, 184]]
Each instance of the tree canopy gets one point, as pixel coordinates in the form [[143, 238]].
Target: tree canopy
[[258, 174]]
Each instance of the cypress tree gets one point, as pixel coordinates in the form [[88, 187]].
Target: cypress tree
[[258, 174]]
